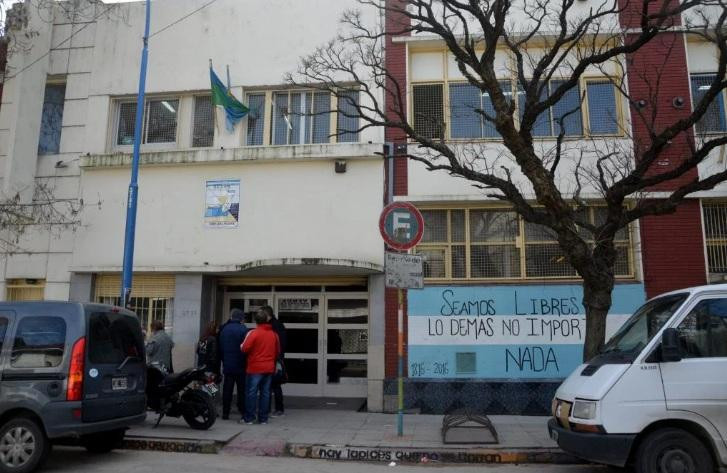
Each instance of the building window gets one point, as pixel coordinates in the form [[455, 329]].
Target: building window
[[301, 118], [715, 232], [713, 121], [496, 243], [348, 117], [602, 112], [152, 297], [160, 122], [467, 106], [255, 119], [428, 110], [52, 119], [203, 129], [25, 289]]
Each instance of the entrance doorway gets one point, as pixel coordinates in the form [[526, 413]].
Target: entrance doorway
[[327, 334]]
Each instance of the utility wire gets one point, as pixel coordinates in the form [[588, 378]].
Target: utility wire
[[113, 5], [182, 18], [62, 42]]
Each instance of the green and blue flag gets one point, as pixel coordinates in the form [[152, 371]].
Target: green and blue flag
[[223, 99]]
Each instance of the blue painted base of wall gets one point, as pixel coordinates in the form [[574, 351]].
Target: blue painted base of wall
[[434, 396]]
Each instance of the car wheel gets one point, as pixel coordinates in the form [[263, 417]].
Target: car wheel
[[673, 451], [23, 446], [104, 442]]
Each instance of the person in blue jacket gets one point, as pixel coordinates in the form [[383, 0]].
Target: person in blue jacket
[[232, 334]]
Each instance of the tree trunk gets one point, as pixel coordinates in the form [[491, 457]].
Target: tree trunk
[[597, 301]]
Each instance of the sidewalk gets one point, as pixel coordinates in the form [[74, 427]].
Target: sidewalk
[[358, 436]]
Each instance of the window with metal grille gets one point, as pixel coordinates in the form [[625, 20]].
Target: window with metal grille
[[301, 118], [152, 297], [348, 117], [255, 119], [715, 233], [203, 129], [160, 122], [542, 125], [496, 243], [602, 110], [51, 123], [25, 289], [428, 108], [467, 104], [713, 121]]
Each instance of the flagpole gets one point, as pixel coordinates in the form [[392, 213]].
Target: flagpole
[[130, 232], [229, 87]]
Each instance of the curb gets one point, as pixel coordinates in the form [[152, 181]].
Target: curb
[[406, 455], [171, 445], [483, 456]]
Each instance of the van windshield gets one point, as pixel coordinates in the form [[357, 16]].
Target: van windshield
[[641, 327], [114, 337]]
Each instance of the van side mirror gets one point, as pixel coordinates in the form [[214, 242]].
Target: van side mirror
[[670, 349]]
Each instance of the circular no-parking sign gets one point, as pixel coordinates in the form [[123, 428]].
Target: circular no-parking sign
[[401, 224]]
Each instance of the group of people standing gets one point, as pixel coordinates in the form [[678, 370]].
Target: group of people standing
[[251, 361]]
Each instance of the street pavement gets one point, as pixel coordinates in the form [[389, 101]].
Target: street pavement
[[67, 459]]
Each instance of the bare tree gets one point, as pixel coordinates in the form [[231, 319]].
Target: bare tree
[[552, 45], [44, 212]]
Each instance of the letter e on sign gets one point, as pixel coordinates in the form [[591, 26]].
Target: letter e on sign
[[401, 225]]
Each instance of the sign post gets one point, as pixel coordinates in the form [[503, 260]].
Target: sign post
[[401, 226]]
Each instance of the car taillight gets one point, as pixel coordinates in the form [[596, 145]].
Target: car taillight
[[75, 372]]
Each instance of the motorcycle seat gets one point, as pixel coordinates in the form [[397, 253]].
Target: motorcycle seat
[[173, 378]]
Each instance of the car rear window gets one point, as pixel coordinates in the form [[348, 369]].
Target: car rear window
[[3, 328], [113, 337], [39, 342]]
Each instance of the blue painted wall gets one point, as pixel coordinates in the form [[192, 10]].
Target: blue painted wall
[[504, 332]]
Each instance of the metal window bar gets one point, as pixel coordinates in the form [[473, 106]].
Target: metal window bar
[[255, 119], [567, 110], [713, 121], [348, 118], [602, 111], [428, 109], [161, 121], [715, 230], [24, 290], [542, 125], [501, 245], [203, 129], [51, 123]]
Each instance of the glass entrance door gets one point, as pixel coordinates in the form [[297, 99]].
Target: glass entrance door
[[302, 315], [327, 337], [347, 340]]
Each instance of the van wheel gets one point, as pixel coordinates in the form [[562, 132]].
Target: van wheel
[[104, 442], [23, 446], [673, 451], [199, 409]]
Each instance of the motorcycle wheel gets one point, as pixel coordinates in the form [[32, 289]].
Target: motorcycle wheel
[[199, 411]]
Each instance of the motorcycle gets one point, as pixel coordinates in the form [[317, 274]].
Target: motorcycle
[[188, 394]]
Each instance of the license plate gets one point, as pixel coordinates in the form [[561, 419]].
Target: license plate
[[210, 388], [119, 384], [554, 435]]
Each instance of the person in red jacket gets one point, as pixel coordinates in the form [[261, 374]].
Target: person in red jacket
[[262, 347]]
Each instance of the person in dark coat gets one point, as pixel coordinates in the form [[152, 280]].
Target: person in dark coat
[[208, 353], [232, 334], [276, 388]]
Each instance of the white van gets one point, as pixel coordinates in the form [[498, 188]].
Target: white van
[[656, 396]]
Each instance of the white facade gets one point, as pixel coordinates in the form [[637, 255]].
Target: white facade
[[307, 210]]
